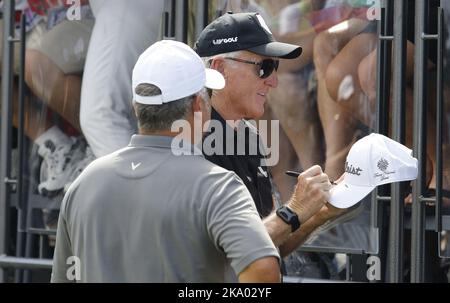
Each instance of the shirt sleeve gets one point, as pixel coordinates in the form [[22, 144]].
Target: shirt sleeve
[[234, 224], [62, 267]]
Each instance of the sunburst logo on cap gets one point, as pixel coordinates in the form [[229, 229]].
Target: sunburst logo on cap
[[383, 164]]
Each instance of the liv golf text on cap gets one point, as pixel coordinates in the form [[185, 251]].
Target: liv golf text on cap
[[242, 31], [373, 160]]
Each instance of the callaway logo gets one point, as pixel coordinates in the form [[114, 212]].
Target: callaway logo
[[224, 40], [352, 170], [134, 166]]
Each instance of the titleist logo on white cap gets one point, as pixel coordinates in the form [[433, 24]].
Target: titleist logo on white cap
[[352, 170], [373, 160]]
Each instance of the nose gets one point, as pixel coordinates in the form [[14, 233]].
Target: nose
[[272, 80]]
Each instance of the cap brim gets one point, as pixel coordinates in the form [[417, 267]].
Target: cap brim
[[345, 195], [278, 50], [214, 79]]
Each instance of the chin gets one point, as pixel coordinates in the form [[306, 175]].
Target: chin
[[255, 114]]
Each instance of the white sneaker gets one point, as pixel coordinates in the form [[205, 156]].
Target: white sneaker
[[50, 139], [59, 163]]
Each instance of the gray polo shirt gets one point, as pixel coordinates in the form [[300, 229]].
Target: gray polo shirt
[[143, 214]]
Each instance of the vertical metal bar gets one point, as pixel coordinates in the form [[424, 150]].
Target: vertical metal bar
[[439, 117], [181, 13], [201, 17], [383, 74], [381, 46], [29, 244], [21, 219], [41, 246], [5, 131], [383, 89], [398, 125], [21, 110], [168, 20], [172, 5], [164, 33], [348, 267], [383, 67], [419, 147]]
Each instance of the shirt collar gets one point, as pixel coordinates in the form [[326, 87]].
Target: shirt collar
[[162, 142], [242, 123]]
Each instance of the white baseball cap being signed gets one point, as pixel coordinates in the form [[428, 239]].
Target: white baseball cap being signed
[[175, 69], [373, 160]]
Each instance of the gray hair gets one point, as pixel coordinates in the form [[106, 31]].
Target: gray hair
[[160, 117], [207, 60]]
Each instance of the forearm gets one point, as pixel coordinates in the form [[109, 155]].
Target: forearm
[[304, 38], [297, 238], [283, 238], [309, 197], [278, 230]]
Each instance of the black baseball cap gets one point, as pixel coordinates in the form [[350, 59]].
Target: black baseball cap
[[242, 31]]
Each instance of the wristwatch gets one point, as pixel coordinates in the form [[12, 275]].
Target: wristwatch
[[288, 216]]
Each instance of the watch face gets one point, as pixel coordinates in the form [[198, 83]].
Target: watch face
[[284, 215], [289, 217]]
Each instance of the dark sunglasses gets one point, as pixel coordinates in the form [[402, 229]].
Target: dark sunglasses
[[266, 66]]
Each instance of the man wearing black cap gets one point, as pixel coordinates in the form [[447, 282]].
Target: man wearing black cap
[[242, 48]]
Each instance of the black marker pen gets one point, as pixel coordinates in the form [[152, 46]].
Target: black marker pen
[[295, 174]]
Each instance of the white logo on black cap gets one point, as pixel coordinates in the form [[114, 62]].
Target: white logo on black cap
[[263, 23], [224, 40], [262, 171]]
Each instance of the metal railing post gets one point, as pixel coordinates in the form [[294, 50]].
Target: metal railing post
[[379, 208], [419, 143], [181, 20], [201, 17], [398, 126], [5, 128], [21, 207], [439, 119]]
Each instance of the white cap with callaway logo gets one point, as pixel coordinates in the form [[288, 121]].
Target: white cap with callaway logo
[[373, 160], [175, 69]]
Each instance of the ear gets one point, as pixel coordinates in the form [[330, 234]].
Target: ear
[[218, 63], [196, 105], [134, 109]]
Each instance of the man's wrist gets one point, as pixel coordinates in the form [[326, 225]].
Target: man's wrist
[[297, 210]]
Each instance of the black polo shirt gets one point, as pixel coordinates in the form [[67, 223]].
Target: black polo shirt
[[248, 167]]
